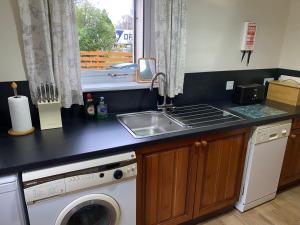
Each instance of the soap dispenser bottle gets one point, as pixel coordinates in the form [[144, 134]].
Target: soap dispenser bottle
[[102, 109]]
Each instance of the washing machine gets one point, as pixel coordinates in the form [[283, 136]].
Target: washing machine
[[94, 192]]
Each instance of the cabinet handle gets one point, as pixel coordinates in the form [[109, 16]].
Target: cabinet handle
[[197, 144], [293, 136], [204, 143]]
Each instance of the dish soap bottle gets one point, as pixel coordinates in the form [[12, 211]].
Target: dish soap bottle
[[102, 109], [89, 106]]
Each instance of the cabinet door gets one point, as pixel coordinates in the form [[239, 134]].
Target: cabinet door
[[220, 169], [291, 164], [166, 183]]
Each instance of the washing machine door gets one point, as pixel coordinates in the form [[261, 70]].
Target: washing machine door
[[93, 209]]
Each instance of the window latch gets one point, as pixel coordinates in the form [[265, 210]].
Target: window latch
[[117, 75]]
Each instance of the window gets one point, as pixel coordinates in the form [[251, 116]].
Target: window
[[111, 41]]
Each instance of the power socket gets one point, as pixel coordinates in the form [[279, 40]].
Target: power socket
[[268, 79], [229, 85]]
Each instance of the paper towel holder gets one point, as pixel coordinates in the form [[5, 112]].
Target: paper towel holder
[[17, 133], [12, 132]]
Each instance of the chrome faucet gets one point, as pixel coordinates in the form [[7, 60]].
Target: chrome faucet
[[164, 106]]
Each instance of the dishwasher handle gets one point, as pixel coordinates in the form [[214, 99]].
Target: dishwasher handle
[[277, 135], [273, 136]]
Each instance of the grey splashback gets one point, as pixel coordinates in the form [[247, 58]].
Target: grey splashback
[[210, 86]]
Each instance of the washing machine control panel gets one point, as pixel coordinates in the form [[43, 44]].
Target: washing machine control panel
[[100, 178], [44, 190], [48, 187]]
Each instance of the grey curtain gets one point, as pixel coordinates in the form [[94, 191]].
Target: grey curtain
[[51, 47], [170, 42]]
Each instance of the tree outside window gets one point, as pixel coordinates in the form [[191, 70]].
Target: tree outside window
[[104, 42]]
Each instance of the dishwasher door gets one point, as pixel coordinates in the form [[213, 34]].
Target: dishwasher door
[[264, 168]]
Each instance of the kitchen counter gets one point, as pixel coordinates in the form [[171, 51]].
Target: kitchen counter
[[83, 139]]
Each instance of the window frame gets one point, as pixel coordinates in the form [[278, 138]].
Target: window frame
[[149, 30]]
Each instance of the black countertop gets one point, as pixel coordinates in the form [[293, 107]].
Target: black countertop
[[83, 139]]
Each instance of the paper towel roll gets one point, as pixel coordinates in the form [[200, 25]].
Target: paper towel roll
[[19, 113]]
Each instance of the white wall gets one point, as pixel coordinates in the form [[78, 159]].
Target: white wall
[[290, 56], [213, 36], [215, 27], [11, 64]]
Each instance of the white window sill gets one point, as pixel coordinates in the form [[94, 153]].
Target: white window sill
[[95, 80], [120, 86]]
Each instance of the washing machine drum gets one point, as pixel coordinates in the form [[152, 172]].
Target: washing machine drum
[[94, 209]]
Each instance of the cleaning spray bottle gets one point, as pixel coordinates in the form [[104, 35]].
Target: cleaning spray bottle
[[102, 109]]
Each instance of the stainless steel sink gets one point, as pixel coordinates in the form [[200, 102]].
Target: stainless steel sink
[[150, 123]]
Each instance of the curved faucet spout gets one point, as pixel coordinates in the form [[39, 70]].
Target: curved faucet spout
[[154, 78]]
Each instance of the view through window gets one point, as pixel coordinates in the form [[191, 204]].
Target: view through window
[[106, 34]]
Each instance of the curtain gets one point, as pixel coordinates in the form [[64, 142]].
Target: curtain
[[170, 42], [51, 47]]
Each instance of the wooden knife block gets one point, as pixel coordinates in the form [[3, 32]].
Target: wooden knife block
[[50, 115]]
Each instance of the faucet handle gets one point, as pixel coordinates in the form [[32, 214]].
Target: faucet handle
[[158, 105], [172, 106]]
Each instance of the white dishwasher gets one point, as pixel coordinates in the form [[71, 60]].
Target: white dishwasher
[[263, 164]]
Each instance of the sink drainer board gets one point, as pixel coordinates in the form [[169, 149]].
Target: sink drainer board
[[203, 115], [257, 111]]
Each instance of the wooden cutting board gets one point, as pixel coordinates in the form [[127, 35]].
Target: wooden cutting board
[[287, 92]]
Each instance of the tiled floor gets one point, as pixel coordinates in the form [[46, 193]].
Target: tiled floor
[[284, 210]]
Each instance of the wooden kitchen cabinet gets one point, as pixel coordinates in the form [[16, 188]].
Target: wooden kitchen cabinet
[[166, 182], [296, 124], [189, 178], [220, 170], [290, 172]]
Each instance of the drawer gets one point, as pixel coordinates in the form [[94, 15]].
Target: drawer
[[296, 124]]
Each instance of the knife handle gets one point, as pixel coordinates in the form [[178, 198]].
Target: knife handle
[[48, 92], [56, 93], [43, 86], [52, 92], [39, 96]]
